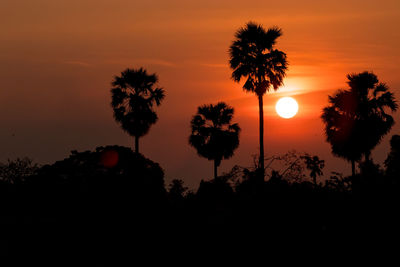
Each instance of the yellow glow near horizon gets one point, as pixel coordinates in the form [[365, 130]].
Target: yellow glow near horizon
[[286, 107]]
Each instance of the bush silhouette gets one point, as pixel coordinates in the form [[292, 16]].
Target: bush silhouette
[[82, 184]]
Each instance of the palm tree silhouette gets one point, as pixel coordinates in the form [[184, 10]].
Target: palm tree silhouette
[[356, 119], [314, 165], [133, 100], [213, 135], [253, 56]]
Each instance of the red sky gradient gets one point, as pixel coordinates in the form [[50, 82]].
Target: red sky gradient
[[57, 59]]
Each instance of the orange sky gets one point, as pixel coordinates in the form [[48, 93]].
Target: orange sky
[[57, 59]]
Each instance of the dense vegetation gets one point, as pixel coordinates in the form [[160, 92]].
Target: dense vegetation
[[115, 185]]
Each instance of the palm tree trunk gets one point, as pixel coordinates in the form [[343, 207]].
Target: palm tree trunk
[[353, 167], [261, 118], [215, 169], [136, 144]]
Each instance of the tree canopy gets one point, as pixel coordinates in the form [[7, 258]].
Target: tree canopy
[[134, 95], [213, 135]]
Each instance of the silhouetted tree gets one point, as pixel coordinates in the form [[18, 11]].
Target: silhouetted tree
[[392, 162], [314, 165], [289, 166], [133, 98], [213, 135], [17, 170], [338, 183], [253, 57], [177, 189], [356, 119], [87, 180]]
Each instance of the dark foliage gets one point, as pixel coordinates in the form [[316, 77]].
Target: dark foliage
[[253, 57], [314, 165], [356, 119], [111, 180], [94, 200], [214, 135], [133, 98], [392, 162], [15, 171]]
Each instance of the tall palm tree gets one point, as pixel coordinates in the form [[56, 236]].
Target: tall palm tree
[[253, 57], [134, 95], [213, 135], [356, 119]]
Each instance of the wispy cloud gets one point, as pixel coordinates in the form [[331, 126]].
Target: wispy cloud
[[214, 65], [142, 61], [77, 62], [160, 62]]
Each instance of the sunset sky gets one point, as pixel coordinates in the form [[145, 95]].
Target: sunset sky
[[58, 57]]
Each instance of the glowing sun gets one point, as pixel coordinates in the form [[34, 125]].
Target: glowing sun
[[286, 107]]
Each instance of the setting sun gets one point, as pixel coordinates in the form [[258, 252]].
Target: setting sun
[[286, 107]]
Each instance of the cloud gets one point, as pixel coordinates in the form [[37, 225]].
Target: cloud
[[142, 61], [214, 65], [159, 62], [79, 63]]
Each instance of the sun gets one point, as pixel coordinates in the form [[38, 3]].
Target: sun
[[286, 107]]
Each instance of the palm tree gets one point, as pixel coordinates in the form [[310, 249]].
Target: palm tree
[[213, 135], [356, 119], [133, 98], [253, 57], [314, 165]]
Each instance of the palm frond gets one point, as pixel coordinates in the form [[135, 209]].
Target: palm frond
[[355, 119], [132, 97], [213, 135], [252, 56]]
